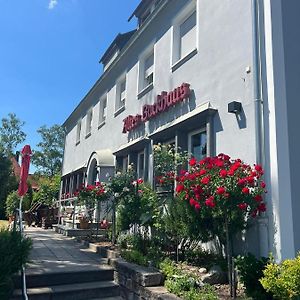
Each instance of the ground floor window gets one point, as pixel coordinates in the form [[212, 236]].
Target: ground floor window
[[198, 144], [141, 164], [125, 163]]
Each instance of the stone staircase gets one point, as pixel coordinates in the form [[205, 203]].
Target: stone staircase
[[78, 285]]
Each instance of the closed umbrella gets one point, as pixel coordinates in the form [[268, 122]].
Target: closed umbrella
[[26, 153], [22, 190]]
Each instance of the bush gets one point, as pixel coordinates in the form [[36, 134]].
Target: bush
[[185, 285], [283, 280], [204, 258], [135, 257], [251, 270], [14, 254]]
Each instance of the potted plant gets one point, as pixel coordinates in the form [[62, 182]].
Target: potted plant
[[12, 203]]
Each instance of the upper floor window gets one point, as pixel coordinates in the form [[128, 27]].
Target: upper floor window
[[185, 34], [149, 69], [102, 110], [78, 132], [89, 119], [121, 95], [146, 72]]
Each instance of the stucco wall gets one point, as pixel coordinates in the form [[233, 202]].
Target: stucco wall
[[217, 73]]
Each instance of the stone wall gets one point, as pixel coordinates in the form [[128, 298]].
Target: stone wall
[[139, 283]]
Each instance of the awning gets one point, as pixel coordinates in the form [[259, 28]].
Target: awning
[[188, 121], [79, 168], [104, 157], [134, 145]]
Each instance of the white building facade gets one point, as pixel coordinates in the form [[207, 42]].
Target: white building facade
[[172, 80]]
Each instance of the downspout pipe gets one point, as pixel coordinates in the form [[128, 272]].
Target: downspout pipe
[[258, 104], [257, 82]]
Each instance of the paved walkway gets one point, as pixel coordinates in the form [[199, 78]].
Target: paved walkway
[[53, 252]]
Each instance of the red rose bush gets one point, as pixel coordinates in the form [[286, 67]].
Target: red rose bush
[[223, 188]]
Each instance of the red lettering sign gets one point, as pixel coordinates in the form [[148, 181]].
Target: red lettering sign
[[162, 103]]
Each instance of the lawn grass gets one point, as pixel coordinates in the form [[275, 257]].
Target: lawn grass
[[3, 224]]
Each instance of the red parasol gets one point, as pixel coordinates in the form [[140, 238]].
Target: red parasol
[[26, 152]]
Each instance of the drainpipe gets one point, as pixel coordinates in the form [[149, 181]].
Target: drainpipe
[[258, 104]]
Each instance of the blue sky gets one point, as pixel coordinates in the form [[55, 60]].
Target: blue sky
[[49, 53]]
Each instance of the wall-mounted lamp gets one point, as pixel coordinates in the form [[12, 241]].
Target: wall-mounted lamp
[[234, 107]]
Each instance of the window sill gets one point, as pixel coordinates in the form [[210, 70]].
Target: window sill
[[183, 60], [77, 143], [101, 124], [120, 110], [144, 91], [88, 135]]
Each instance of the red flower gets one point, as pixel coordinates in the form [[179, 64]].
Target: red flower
[[192, 161], [263, 185], [246, 191], [202, 172], [258, 168], [219, 163], [262, 207], [210, 202], [258, 198], [250, 180], [241, 181], [220, 190], [205, 180], [243, 206], [179, 188], [230, 172], [197, 206], [223, 173], [140, 181], [193, 202]]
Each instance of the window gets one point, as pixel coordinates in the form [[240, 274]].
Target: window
[[197, 144], [121, 94], [125, 164], [89, 119], [148, 70], [102, 110], [78, 132], [141, 165], [187, 35], [184, 36]]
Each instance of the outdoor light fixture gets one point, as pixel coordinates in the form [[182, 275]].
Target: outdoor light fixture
[[234, 107]]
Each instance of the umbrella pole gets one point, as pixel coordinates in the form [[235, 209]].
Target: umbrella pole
[[24, 293]]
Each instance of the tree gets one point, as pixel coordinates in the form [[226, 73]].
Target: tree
[[48, 159], [8, 182], [48, 191], [11, 133]]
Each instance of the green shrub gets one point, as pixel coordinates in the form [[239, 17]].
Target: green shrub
[[169, 268], [205, 258], [135, 257], [207, 292], [178, 284], [283, 280], [251, 270], [14, 252]]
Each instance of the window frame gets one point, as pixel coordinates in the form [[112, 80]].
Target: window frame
[[119, 106], [138, 164], [142, 87], [194, 132], [89, 122], [176, 59], [78, 131], [102, 116]]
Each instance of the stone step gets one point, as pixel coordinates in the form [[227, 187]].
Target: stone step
[[109, 298], [67, 277], [78, 291]]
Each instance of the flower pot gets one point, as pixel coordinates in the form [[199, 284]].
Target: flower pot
[[83, 224]]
